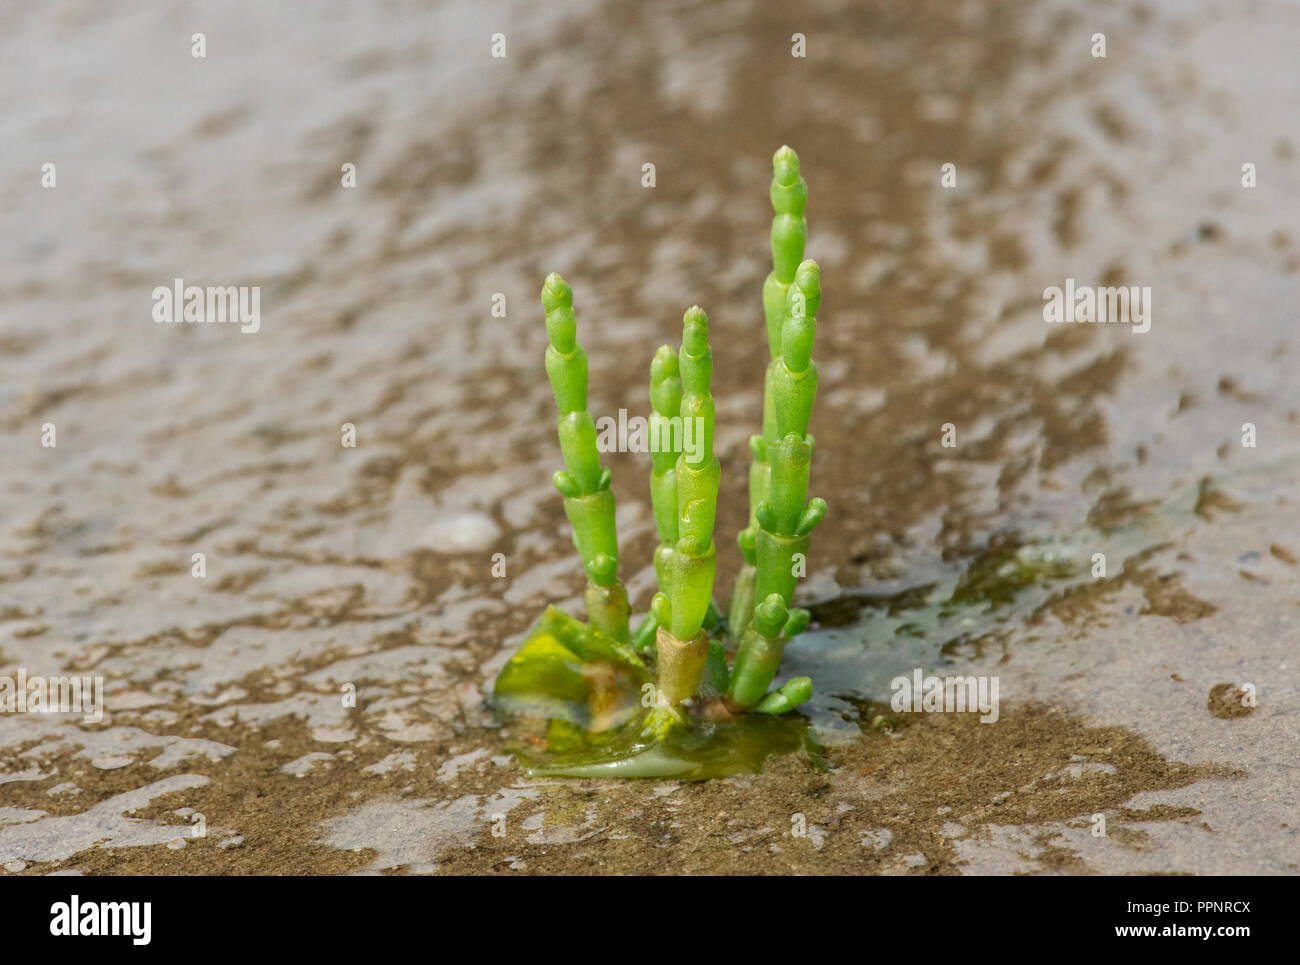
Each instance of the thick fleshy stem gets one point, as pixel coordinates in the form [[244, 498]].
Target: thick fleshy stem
[[643, 639], [740, 607], [789, 194], [682, 608], [665, 447], [786, 517], [666, 442], [761, 649], [680, 666], [584, 483], [790, 386], [786, 520]]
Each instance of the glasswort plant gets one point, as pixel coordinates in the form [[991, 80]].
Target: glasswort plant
[[664, 700]]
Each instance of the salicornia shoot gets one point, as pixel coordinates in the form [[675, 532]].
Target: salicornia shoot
[[789, 194], [588, 674], [584, 483]]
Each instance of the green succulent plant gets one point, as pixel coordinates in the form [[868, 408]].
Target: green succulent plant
[[584, 483], [585, 677]]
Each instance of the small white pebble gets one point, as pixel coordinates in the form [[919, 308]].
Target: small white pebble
[[461, 533]]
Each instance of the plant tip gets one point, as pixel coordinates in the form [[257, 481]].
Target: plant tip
[[695, 331], [664, 364], [556, 292], [785, 165]]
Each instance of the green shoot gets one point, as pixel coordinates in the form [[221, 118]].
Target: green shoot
[[584, 483], [689, 568], [789, 194], [594, 677]]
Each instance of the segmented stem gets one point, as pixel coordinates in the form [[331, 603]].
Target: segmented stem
[[761, 649], [789, 194], [786, 517], [681, 609], [665, 447], [584, 483], [789, 232]]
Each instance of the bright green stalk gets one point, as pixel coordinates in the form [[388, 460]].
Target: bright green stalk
[[665, 448], [789, 194], [761, 649], [786, 517], [681, 609], [584, 483], [740, 608], [692, 568], [790, 387], [789, 232], [785, 521]]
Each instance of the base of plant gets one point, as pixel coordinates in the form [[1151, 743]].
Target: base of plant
[[694, 751], [594, 710], [680, 666]]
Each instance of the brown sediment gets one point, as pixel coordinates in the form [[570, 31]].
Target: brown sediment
[[1283, 554], [274, 813], [912, 775], [1211, 499], [1167, 597], [913, 780], [1227, 701], [1084, 603], [1115, 507]]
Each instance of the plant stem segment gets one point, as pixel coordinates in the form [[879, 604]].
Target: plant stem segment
[[690, 569], [683, 606], [666, 442], [789, 193], [786, 516], [584, 483], [789, 232], [681, 666], [761, 649]]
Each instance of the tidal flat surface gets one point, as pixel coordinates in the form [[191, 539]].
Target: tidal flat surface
[[372, 566]]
